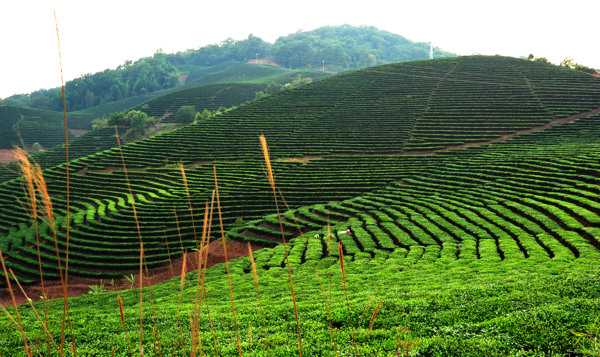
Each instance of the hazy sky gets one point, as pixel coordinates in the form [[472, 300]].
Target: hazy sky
[[103, 34]]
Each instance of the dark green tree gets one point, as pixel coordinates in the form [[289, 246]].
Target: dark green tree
[[203, 116], [185, 114], [117, 118], [138, 120], [259, 95]]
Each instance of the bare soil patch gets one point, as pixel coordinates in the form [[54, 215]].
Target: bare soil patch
[[80, 286], [78, 132], [7, 156], [303, 159]]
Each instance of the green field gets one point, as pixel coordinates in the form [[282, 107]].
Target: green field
[[469, 186]]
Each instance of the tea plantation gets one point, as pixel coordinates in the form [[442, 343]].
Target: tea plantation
[[463, 194], [26, 126]]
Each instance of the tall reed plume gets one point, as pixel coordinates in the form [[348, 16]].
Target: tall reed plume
[[271, 178], [64, 280], [28, 172], [124, 325]]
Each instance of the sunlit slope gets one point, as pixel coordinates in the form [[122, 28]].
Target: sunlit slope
[[334, 140], [533, 197], [395, 108]]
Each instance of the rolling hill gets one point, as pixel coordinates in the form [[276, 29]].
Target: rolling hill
[[364, 118], [469, 187], [233, 86], [26, 126]]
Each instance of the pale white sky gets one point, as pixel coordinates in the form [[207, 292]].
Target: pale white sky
[[103, 34]]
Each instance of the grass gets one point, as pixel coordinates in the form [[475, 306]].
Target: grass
[[450, 308]]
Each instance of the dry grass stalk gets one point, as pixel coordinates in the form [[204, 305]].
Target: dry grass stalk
[[199, 281], [204, 293], [47, 210], [265, 149], [182, 281], [341, 252], [137, 224], [169, 255], [28, 172], [227, 262], [193, 334], [14, 302], [68, 199], [34, 178], [154, 340], [262, 315], [189, 202], [366, 309], [373, 318], [123, 322], [183, 272], [43, 323]]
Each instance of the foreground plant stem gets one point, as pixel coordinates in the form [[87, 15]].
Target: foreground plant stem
[[237, 334], [263, 142]]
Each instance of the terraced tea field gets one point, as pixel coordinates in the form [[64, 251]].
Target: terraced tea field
[[26, 126], [463, 194]]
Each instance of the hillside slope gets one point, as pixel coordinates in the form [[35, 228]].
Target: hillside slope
[[26, 126], [463, 193], [362, 129]]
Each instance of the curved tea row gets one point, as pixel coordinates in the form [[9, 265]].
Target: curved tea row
[[343, 140]]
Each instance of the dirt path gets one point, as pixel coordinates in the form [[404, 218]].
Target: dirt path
[[550, 124], [80, 286]]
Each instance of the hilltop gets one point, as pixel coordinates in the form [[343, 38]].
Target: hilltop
[[462, 191], [342, 47]]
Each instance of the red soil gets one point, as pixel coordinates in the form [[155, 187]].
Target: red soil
[[80, 286], [7, 156]]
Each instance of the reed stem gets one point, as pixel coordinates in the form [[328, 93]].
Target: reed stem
[[271, 178], [239, 346]]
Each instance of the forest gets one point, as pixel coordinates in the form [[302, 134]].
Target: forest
[[336, 48]]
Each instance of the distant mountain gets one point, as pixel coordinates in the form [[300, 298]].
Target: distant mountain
[[336, 48], [344, 47]]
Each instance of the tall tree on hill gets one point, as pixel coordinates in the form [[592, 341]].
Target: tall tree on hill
[[185, 114]]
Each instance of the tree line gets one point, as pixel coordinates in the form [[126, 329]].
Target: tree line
[[147, 75], [334, 47]]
